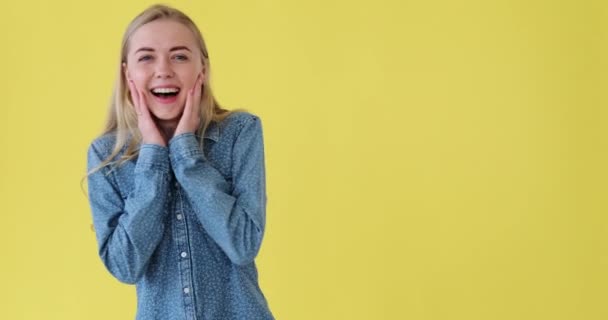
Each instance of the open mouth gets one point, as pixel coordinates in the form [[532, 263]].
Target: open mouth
[[165, 93]]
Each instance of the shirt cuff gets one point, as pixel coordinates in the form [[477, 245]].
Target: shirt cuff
[[184, 146], [153, 156]]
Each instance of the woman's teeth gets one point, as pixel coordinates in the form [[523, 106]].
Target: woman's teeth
[[165, 91]]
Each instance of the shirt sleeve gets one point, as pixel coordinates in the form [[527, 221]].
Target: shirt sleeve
[[233, 215], [128, 230]]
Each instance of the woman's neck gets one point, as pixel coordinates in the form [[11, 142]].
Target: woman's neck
[[167, 128]]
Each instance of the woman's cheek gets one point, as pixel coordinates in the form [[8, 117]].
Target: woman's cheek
[[139, 75]]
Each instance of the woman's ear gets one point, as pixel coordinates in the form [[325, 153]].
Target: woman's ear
[[126, 71]]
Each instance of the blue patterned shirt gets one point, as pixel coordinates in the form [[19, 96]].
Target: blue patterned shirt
[[184, 225]]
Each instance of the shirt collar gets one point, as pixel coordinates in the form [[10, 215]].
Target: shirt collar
[[213, 131]]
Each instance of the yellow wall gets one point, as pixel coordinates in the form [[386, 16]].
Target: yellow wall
[[425, 159]]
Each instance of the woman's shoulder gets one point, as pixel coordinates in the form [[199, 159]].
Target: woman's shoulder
[[103, 145], [236, 120], [106, 139], [239, 117]]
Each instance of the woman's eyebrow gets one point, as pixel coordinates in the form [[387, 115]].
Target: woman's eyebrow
[[144, 49], [180, 48], [172, 49]]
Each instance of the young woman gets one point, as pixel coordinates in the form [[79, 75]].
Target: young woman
[[176, 183]]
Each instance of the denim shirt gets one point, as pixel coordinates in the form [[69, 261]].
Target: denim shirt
[[184, 225]]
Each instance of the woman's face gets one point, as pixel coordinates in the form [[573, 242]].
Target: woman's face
[[164, 62]]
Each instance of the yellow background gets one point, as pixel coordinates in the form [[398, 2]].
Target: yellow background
[[425, 159]]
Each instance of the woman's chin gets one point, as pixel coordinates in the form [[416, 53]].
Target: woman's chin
[[167, 113], [166, 117]]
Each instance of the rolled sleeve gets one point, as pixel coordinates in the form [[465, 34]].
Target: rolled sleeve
[[153, 157]]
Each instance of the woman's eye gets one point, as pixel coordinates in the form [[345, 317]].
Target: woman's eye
[[181, 57], [144, 58]]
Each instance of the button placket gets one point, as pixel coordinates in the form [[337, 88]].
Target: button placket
[[182, 244]]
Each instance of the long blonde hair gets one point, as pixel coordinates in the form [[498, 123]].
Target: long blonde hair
[[122, 119]]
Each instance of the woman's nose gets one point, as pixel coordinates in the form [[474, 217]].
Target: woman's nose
[[163, 69]]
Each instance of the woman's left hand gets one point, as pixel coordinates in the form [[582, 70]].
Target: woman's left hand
[[191, 118]]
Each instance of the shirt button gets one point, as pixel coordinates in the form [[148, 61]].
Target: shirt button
[[184, 254], [179, 216], [186, 290]]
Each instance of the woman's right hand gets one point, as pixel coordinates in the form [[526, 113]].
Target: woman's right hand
[[148, 128]]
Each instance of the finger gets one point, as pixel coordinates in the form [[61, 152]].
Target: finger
[[189, 101], [134, 96], [198, 96], [143, 106]]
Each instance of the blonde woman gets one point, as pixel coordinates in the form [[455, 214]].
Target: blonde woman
[[177, 183]]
